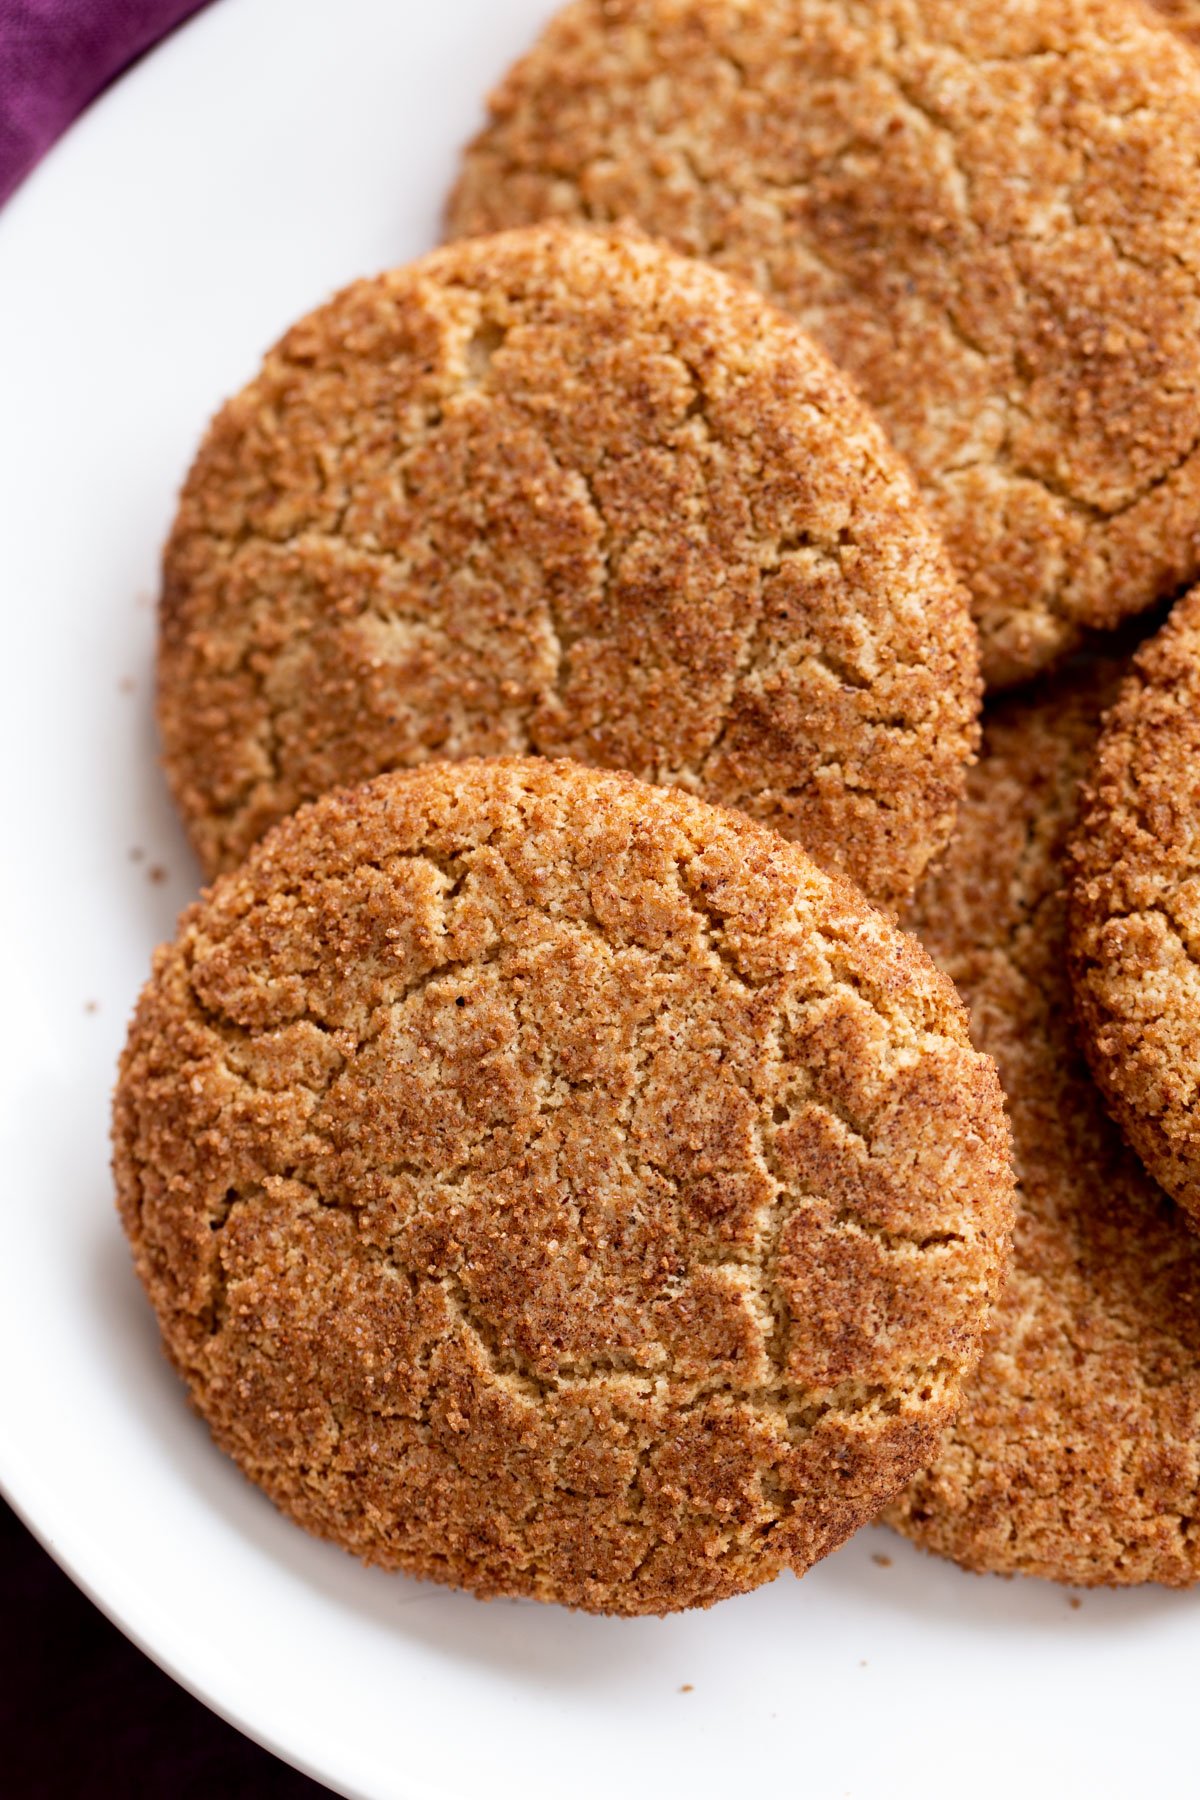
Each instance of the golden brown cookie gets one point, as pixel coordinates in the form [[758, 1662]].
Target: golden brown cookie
[[557, 1186], [1076, 1452], [988, 213], [1134, 920], [573, 495]]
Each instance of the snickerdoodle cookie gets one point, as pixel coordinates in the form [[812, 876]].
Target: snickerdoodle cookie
[[576, 495], [1076, 1453], [988, 213], [1134, 919], [557, 1186]]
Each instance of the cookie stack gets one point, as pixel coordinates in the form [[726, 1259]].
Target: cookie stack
[[557, 1165]]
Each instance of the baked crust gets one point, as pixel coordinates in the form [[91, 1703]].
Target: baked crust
[[988, 214], [556, 1186], [1182, 16], [1076, 1452], [1134, 922], [573, 495]]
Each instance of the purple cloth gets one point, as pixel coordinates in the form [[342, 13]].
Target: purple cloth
[[56, 55], [82, 1713]]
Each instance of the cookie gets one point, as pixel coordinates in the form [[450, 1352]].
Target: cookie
[[1134, 917], [988, 214], [1076, 1452], [556, 1186], [565, 494]]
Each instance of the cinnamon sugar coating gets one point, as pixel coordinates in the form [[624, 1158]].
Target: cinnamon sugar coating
[[987, 213], [1134, 932], [1076, 1452], [556, 1186], [569, 494]]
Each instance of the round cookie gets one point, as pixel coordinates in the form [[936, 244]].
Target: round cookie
[[1076, 1452], [557, 1186], [988, 214], [1134, 917], [573, 495]]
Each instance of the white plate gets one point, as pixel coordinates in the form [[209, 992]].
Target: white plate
[[272, 150]]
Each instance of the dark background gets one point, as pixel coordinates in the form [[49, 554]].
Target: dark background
[[83, 1713]]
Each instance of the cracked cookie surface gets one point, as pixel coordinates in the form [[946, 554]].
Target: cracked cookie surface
[[988, 214], [570, 495], [557, 1186], [1076, 1452], [1134, 920]]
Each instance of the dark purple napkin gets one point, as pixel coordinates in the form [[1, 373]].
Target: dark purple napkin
[[56, 55], [84, 1714]]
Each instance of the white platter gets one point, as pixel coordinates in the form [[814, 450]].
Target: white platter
[[269, 152]]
